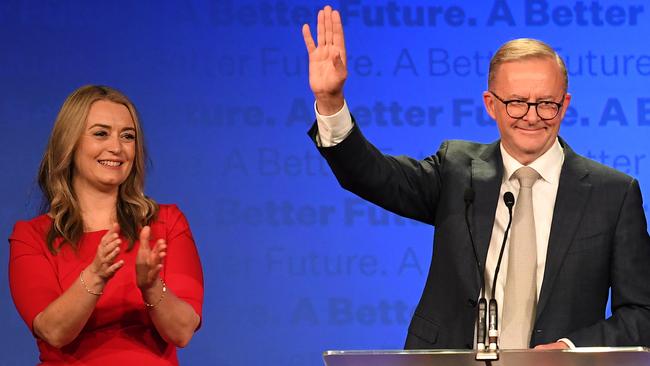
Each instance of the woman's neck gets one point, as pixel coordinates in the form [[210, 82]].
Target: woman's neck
[[98, 208]]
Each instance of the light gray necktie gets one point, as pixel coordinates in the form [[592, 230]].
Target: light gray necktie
[[520, 296]]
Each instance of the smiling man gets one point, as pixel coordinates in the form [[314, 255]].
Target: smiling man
[[578, 229]]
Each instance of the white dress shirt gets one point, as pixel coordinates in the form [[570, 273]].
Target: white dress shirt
[[549, 166], [335, 128]]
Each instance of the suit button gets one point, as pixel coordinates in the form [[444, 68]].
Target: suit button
[[538, 331], [471, 303]]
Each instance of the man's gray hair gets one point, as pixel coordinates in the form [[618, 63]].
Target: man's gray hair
[[521, 49]]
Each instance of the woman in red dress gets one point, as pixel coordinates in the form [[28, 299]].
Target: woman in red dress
[[106, 275]]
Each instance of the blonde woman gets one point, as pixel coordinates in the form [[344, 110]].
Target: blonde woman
[[105, 275]]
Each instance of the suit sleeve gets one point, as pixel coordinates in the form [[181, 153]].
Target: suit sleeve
[[629, 324], [400, 184]]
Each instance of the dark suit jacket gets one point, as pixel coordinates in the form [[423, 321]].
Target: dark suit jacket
[[598, 241]]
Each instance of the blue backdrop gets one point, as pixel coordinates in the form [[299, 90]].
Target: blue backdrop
[[293, 264]]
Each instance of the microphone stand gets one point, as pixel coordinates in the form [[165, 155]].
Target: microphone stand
[[491, 353], [509, 200], [482, 354]]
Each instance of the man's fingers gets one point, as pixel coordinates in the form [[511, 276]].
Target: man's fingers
[[320, 28], [554, 345], [328, 25], [337, 34], [309, 41], [338, 62]]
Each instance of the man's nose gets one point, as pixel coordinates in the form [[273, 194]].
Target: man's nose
[[532, 115]]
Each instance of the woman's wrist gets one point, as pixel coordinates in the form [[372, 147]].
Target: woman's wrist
[[91, 281], [154, 294]]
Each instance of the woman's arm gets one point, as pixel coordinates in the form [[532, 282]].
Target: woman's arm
[[62, 320], [174, 319]]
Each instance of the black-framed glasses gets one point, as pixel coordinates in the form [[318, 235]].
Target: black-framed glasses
[[518, 108]]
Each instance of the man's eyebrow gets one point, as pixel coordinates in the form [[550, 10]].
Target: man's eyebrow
[[523, 98], [517, 96]]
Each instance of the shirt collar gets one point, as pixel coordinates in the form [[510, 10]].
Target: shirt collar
[[549, 165]]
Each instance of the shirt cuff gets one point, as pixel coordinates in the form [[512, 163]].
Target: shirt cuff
[[568, 342], [332, 130]]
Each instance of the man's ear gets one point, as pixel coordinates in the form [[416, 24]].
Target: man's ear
[[565, 105], [488, 102]]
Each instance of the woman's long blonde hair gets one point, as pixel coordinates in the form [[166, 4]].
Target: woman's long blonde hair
[[134, 209]]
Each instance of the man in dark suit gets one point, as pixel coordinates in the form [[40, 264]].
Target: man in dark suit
[[579, 229]]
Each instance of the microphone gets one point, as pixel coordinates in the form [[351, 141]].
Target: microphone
[[493, 332], [481, 318], [509, 200]]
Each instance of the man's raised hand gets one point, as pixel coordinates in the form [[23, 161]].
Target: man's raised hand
[[327, 61]]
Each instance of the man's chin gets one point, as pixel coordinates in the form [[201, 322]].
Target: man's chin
[[533, 150]]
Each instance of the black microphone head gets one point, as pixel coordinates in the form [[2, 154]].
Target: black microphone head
[[469, 195], [509, 199]]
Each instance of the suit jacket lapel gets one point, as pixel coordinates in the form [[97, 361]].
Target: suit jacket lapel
[[487, 173], [572, 195]]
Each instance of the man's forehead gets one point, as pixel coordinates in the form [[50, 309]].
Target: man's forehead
[[529, 73], [531, 63]]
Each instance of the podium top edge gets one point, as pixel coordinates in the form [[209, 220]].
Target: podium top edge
[[638, 349]]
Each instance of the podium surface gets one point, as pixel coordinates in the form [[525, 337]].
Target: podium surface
[[591, 356]]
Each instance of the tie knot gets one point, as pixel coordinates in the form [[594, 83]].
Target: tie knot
[[526, 176]]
